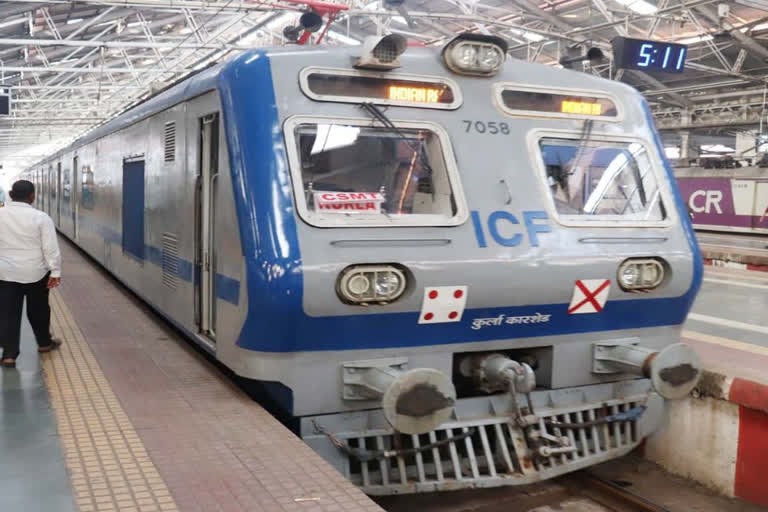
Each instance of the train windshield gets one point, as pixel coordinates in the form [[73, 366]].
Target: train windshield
[[610, 180], [354, 174]]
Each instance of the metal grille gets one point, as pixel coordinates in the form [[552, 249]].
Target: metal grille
[[170, 141], [170, 263], [385, 52], [494, 454]]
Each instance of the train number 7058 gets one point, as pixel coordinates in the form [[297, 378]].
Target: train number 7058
[[486, 127]]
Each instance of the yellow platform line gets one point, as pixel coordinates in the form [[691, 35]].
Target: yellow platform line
[[726, 342], [108, 464]]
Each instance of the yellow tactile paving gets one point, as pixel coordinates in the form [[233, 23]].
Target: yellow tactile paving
[[108, 464]]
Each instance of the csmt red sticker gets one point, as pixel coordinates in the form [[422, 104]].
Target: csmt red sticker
[[589, 296], [348, 202], [443, 304]]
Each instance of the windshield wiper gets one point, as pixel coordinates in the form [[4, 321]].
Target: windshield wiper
[[380, 116]]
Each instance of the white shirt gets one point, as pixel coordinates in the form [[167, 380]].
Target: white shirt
[[28, 245]]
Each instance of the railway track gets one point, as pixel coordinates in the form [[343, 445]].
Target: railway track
[[609, 494], [578, 492]]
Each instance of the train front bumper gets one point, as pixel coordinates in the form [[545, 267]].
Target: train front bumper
[[483, 445]]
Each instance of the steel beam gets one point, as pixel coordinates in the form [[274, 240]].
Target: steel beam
[[73, 87], [141, 45], [69, 69], [742, 39], [166, 5]]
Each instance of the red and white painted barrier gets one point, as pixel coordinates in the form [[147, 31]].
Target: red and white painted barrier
[[735, 264], [718, 438]]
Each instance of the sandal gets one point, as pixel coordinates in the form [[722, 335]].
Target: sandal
[[53, 346], [8, 363]]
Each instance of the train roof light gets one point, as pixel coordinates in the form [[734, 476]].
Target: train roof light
[[475, 54], [382, 52]]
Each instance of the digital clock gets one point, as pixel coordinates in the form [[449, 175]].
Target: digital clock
[[649, 55]]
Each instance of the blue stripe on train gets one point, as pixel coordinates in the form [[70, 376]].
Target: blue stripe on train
[[276, 321], [227, 288]]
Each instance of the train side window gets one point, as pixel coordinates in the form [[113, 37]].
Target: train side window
[[351, 173], [87, 193], [66, 186], [601, 180]]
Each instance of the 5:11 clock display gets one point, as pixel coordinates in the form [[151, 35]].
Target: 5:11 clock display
[[649, 55]]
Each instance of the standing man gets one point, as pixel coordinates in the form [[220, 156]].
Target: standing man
[[30, 266]]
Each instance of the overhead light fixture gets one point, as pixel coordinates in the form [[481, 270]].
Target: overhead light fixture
[[13, 22], [72, 21], [639, 6], [530, 36]]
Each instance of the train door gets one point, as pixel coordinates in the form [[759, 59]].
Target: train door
[[58, 194], [75, 196], [133, 208], [207, 180]]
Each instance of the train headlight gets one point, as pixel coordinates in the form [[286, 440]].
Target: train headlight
[[640, 274], [371, 284], [475, 54]]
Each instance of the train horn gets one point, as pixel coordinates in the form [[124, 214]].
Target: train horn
[[311, 21]]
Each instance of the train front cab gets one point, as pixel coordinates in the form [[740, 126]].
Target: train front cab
[[575, 286]]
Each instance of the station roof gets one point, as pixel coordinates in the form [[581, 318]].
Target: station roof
[[72, 65]]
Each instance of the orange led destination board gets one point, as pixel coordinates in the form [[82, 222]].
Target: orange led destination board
[[581, 107], [340, 87], [414, 94], [577, 105]]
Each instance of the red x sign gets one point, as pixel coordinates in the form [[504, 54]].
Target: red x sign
[[589, 296]]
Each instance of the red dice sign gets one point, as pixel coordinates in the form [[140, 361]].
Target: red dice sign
[[443, 304]]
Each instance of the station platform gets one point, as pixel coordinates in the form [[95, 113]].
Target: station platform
[[127, 416], [718, 437]]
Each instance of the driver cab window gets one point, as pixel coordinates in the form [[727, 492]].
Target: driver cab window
[[359, 174], [613, 180]]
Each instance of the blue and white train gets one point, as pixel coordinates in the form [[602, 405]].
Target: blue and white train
[[451, 268]]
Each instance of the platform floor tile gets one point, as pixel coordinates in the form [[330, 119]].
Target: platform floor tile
[[108, 463], [147, 414]]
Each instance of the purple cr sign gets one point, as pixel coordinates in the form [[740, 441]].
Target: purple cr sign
[[725, 201]]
